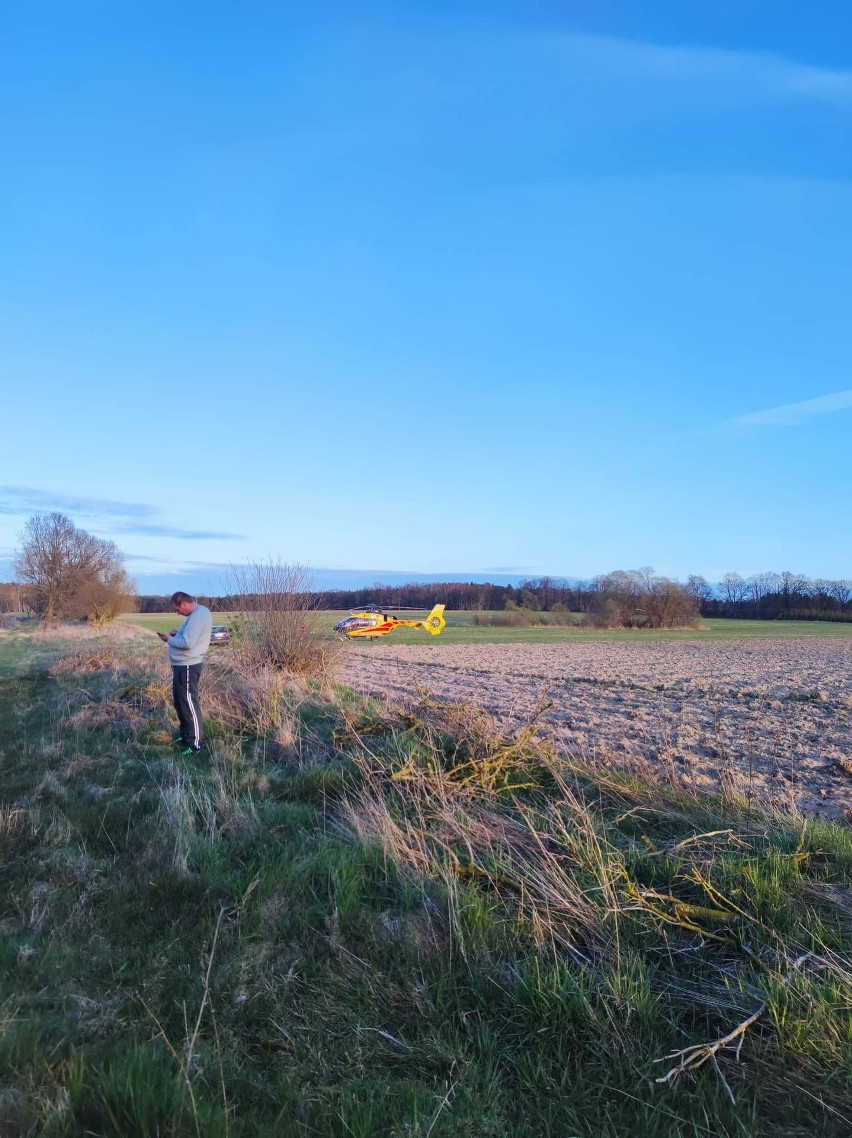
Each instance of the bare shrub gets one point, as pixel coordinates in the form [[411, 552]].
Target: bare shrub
[[638, 598], [513, 616], [279, 623], [607, 612]]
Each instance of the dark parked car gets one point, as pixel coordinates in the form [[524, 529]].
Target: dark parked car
[[219, 634]]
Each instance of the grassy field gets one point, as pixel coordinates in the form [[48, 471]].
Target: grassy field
[[345, 921], [461, 630]]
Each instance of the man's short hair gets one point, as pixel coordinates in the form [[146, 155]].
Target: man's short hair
[[179, 598]]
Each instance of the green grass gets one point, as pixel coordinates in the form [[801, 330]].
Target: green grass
[[19, 653], [346, 933], [461, 630], [163, 621]]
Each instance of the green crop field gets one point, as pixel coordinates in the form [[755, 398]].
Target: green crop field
[[461, 629], [163, 621]]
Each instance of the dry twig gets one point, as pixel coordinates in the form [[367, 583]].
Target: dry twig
[[697, 1054]]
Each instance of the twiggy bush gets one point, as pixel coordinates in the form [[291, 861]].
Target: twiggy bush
[[279, 623]]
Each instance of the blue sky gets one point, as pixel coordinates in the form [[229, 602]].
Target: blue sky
[[470, 289]]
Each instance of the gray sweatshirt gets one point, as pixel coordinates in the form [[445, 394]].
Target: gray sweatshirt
[[192, 639]]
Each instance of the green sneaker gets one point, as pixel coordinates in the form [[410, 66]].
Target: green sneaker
[[188, 752]]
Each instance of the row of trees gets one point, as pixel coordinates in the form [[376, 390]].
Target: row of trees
[[67, 573], [159, 602], [637, 598], [776, 596], [632, 598], [768, 595], [623, 597]]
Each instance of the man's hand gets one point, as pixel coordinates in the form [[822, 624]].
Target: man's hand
[[163, 637]]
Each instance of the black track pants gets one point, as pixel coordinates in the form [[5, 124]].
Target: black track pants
[[185, 694]]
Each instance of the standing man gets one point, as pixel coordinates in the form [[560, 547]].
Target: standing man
[[187, 647]]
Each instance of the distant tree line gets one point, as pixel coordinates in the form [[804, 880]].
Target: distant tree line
[[63, 572], [634, 598], [161, 602], [652, 598], [775, 596], [764, 596], [16, 598], [623, 598], [620, 598]]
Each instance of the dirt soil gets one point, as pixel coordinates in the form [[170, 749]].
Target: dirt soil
[[767, 720]]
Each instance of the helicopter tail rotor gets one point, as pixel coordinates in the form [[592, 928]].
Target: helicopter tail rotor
[[435, 622]]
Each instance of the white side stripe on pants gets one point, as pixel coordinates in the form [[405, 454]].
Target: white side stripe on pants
[[197, 733]]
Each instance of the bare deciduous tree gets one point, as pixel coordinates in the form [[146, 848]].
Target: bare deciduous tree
[[102, 598], [66, 565], [666, 604], [698, 588], [760, 585], [792, 587], [841, 590], [734, 587], [639, 598]]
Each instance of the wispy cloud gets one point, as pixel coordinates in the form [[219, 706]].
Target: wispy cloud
[[26, 499], [740, 70], [795, 414], [145, 566], [153, 529], [117, 517]]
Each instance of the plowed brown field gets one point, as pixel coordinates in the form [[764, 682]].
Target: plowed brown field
[[768, 720]]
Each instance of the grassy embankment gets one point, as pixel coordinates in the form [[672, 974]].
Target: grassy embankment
[[461, 629], [347, 921]]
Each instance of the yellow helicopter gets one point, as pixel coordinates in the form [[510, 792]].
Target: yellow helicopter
[[371, 622]]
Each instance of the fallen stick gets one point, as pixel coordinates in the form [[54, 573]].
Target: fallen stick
[[697, 1054]]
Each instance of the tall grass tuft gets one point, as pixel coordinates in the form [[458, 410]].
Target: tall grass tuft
[[660, 899]]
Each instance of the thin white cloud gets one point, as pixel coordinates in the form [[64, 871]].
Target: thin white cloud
[[118, 517], [150, 566], [740, 71], [27, 499], [794, 414]]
